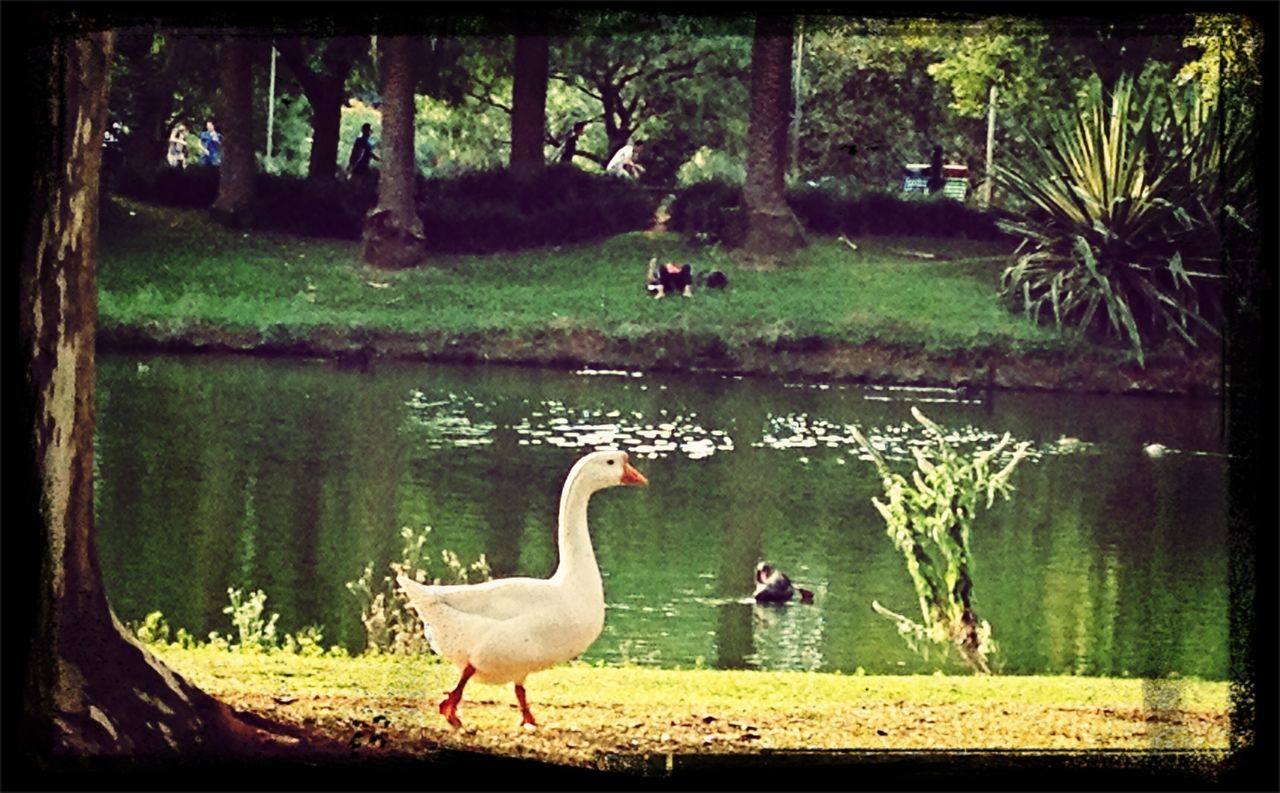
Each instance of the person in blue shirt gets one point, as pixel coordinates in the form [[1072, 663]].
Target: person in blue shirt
[[211, 142], [362, 152]]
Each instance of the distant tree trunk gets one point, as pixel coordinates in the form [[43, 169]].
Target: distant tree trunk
[[89, 689], [235, 122], [326, 92], [393, 235], [772, 229], [529, 103]]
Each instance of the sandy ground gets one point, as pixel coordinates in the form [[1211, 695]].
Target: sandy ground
[[621, 737]]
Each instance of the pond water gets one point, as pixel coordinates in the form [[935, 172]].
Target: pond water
[[292, 476]]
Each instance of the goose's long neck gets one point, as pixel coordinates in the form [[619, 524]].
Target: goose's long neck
[[577, 557]]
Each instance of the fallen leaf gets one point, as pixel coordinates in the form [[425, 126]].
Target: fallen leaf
[[377, 284], [285, 700]]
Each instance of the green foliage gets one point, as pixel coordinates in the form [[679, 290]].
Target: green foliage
[[712, 210], [474, 212], [870, 106], [1131, 199], [711, 165], [391, 625], [154, 629], [929, 517], [487, 211], [253, 634]]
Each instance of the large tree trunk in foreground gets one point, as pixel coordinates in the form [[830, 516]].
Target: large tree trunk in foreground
[[529, 103], [235, 122], [772, 229], [393, 235], [90, 690]]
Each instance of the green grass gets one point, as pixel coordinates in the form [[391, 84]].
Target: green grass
[[423, 677], [174, 269]]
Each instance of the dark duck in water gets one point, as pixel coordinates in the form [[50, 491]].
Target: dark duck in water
[[773, 586]]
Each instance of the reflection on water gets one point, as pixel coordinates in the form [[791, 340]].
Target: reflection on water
[[291, 476]]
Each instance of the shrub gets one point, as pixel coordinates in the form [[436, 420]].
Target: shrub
[[714, 209], [193, 187], [711, 211], [313, 207], [710, 165], [475, 212], [1132, 200], [488, 211]]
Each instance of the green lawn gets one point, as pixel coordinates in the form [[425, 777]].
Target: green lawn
[[174, 269]]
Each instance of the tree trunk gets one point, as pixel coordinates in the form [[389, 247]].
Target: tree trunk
[[89, 689], [326, 126], [393, 235], [325, 93], [772, 229], [235, 122], [529, 104]]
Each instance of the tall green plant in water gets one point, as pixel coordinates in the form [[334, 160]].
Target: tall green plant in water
[[929, 517], [390, 625], [1131, 199]]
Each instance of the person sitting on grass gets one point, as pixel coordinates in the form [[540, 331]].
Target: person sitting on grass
[[668, 279]]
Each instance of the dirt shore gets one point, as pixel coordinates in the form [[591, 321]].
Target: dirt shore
[[818, 359]]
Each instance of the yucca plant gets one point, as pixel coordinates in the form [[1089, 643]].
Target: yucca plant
[[1129, 200]]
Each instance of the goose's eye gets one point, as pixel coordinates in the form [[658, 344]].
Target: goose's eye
[[611, 462]]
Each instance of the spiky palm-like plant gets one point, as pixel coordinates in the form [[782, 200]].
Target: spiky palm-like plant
[[1130, 198]]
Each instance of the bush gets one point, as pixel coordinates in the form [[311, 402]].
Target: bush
[[475, 212], [714, 209], [710, 165], [488, 211], [190, 188], [313, 207], [711, 211]]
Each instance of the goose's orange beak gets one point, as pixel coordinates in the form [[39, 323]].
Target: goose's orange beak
[[630, 476]]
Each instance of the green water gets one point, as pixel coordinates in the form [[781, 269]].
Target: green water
[[291, 476]]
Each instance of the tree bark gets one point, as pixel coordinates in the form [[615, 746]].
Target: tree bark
[[529, 103], [393, 235], [235, 122], [772, 229], [89, 689]]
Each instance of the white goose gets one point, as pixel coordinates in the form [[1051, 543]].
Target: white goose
[[501, 630]]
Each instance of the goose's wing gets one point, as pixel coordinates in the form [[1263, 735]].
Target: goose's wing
[[501, 599]]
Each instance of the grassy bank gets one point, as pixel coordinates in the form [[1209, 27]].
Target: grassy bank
[[174, 268], [589, 714], [882, 313]]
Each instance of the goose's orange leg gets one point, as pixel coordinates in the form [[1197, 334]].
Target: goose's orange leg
[[449, 705], [525, 716]]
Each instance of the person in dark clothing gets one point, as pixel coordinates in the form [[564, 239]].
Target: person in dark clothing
[[571, 142], [668, 279], [362, 152]]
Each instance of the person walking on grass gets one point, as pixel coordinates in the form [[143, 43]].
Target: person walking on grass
[[177, 156], [211, 142], [362, 155], [571, 142]]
